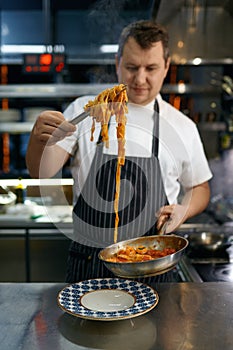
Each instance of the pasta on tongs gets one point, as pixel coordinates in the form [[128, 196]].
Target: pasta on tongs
[[112, 101]]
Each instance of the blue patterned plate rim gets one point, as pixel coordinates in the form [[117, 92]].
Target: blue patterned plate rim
[[146, 298]]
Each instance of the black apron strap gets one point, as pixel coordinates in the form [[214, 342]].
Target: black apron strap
[[155, 144]]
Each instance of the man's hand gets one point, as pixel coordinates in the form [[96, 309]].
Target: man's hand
[[44, 158], [194, 202], [174, 215], [52, 127]]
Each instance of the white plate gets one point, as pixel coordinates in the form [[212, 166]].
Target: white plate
[[107, 299]]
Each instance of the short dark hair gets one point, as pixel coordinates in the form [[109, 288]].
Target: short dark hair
[[145, 33]]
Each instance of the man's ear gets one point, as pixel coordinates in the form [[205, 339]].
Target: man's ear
[[167, 65]]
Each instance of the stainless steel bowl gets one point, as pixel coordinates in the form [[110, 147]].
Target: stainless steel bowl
[[145, 268], [210, 241], [7, 199]]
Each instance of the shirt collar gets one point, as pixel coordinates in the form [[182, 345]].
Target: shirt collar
[[151, 104]]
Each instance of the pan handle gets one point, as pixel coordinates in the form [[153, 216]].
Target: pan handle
[[162, 230]]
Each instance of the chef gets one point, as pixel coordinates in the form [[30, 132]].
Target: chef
[[166, 173]]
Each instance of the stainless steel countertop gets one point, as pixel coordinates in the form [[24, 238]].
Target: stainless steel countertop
[[188, 316]]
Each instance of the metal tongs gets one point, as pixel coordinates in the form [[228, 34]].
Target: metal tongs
[[77, 119]]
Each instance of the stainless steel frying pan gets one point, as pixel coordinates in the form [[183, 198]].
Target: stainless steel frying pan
[[145, 268]]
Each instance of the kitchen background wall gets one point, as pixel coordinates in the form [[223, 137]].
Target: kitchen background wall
[[199, 81], [76, 33]]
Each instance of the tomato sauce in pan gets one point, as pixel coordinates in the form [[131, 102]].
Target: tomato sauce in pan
[[138, 254]]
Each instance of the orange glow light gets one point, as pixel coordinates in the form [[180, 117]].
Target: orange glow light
[[59, 67], [46, 59]]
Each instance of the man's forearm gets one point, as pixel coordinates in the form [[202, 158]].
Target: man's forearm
[[33, 157], [44, 161], [196, 200], [44, 157]]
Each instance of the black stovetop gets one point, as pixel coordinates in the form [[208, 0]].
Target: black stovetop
[[215, 272], [213, 266]]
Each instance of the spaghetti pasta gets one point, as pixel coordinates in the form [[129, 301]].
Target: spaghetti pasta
[[110, 102]]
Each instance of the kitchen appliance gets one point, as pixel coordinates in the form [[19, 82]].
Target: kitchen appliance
[[209, 261]]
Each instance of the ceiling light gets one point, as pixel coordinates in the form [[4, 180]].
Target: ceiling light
[[181, 88], [109, 48], [197, 61], [23, 48], [180, 44]]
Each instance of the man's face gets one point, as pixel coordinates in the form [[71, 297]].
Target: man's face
[[143, 70]]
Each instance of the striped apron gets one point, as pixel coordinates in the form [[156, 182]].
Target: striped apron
[[141, 196]]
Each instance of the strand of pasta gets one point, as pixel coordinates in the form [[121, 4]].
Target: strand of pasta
[[111, 102]]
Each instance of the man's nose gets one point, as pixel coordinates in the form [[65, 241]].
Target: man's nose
[[140, 76]]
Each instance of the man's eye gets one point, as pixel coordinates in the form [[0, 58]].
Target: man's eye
[[131, 68], [151, 69]]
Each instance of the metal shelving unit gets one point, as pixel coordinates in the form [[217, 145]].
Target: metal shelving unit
[[50, 90], [71, 91], [74, 90]]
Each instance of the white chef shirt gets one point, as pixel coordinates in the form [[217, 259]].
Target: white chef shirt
[[181, 154]]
